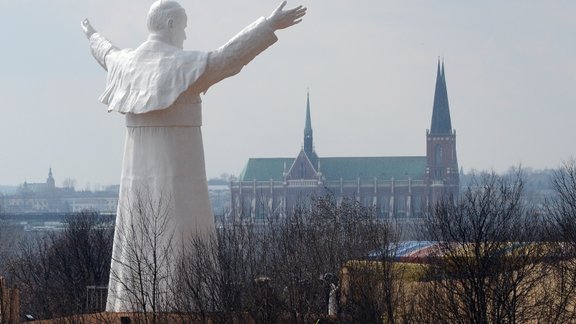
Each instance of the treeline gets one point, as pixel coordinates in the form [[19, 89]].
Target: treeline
[[496, 258]]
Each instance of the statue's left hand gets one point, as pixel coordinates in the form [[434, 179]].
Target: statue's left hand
[[280, 19], [87, 28]]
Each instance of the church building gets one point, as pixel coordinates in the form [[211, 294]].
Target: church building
[[396, 187]]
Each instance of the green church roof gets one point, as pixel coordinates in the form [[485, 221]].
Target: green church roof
[[397, 167], [264, 169], [347, 168]]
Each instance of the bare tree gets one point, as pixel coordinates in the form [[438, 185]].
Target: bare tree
[[375, 289], [487, 267], [54, 270], [314, 243], [394, 300], [562, 206], [143, 268], [287, 269], [221, 278], [561, 211]]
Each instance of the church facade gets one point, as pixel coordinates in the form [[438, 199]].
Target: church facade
[[396, 187]]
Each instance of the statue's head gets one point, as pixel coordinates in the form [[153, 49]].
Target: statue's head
[[168, 18]]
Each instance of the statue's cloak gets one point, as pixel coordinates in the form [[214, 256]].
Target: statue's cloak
[[150, 77]]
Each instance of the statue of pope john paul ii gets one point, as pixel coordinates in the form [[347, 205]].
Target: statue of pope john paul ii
[[157, 87]]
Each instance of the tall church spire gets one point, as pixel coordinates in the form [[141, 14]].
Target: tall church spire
[[441, 158], [50, 180], [441, 123], [308, 134]]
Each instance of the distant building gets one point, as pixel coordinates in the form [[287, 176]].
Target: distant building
[[45, 197], [398, 187]]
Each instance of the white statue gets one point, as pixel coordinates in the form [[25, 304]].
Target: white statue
[[157, 86]]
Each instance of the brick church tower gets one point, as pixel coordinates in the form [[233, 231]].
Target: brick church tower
[[441, 160]]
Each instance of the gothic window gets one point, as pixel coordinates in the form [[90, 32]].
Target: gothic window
[[246, 206], [438, 154], [400, 208], [383, 203], [417, 205], [261, 209], [438, 173], [367, 201]]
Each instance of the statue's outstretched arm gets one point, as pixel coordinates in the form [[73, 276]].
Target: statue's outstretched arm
[[246, 45], [99, 45]]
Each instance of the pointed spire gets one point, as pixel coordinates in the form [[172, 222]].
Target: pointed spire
[[50, 176], [308, 134], [308, 127], [50, 181], [441, 123]]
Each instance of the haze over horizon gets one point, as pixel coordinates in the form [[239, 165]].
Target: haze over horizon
[[370, 67]]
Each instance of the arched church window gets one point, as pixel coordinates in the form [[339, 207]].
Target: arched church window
[[400, 208], [438, 154], [383, 203]]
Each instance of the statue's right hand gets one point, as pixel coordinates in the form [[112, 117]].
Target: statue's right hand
[[280, 19], [87, 28]]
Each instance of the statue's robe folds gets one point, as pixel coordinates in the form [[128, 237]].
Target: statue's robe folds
[[163, 190]]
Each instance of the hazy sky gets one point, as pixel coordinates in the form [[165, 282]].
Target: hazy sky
[[370, 66]]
